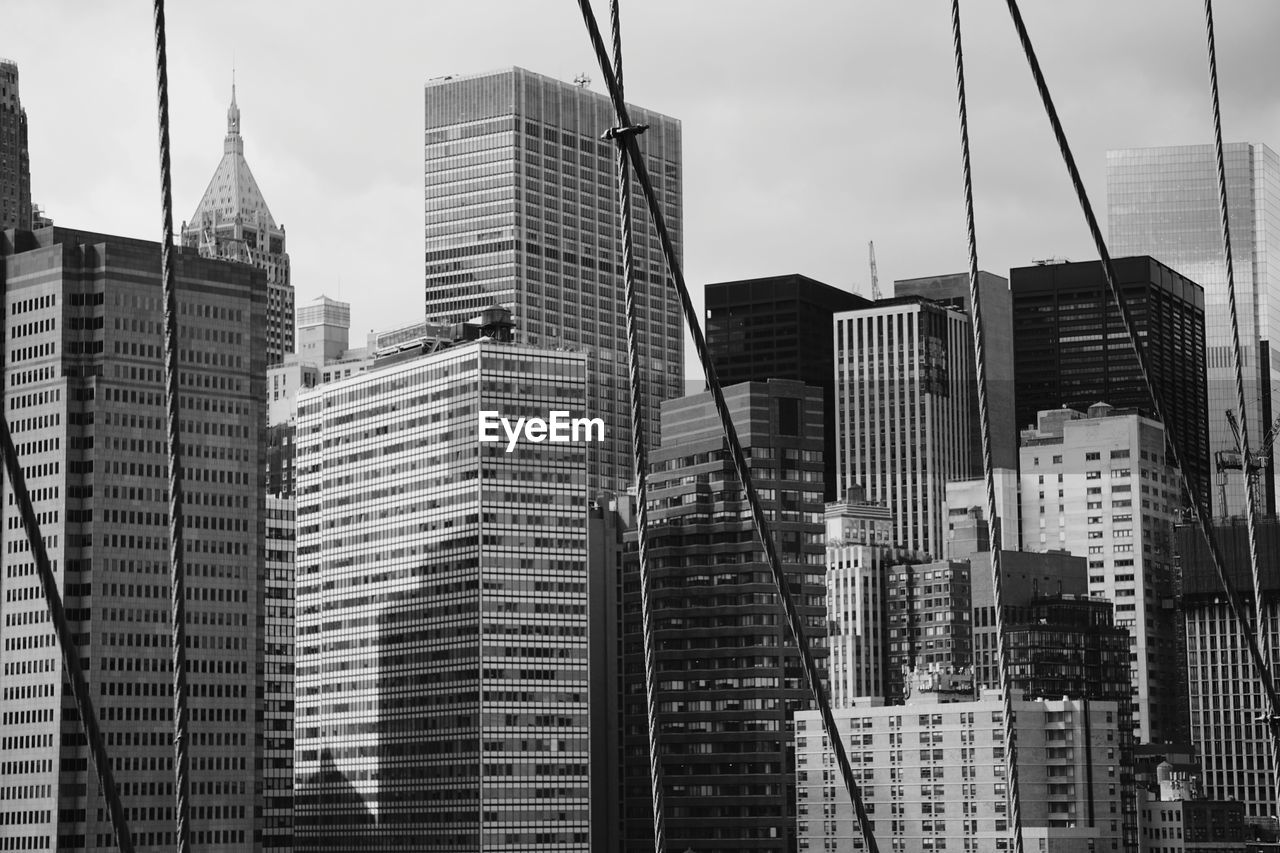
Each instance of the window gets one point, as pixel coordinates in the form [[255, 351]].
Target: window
[[1089, 457]]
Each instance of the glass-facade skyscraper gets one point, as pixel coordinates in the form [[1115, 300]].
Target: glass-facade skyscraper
[[442, 608], [522, 211], [1163, 202]]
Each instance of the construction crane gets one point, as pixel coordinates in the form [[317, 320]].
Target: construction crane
[[875, 279], [1232, 460]]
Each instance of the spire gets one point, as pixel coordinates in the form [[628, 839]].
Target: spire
[[233, 143]]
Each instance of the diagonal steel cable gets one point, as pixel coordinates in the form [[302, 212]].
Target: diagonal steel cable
[[178, 613], [763, 530], [1174, 443], [1251, 504], [1012, 793], [66, 641], [640, 451]]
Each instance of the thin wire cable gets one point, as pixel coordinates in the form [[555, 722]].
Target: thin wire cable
[[1251, 505], [177, 588], [763, 531], [1013, 794], [66, 642], [640, 454], [1174, 443]]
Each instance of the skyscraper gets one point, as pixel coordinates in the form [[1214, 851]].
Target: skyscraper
[[729, 678], [522, 211], [904, 373], [779, 328], [858, 536], [1100, 486], [84, 396], [1164, 202], [997, 329], [15, 162], [1227, 702], [233, 222], [1071, 350], [442, 671]]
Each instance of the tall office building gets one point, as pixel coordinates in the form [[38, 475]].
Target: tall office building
[[1227, 702], [1100, 486], [277, 674], [933, 776], [1164, 202], [729, 678], [858, 554], [442, 669], [84, 397], [233, 222], [1071, 350], [904, 370], [522, 211], [997, 326], [15, 162], [779, 328]]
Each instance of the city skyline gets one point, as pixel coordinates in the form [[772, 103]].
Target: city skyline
[[843, 184]]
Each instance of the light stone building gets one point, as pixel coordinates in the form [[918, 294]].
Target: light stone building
[[1099, 486]]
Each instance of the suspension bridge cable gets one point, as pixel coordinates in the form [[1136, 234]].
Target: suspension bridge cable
[[1174, 443], [1013, 795], [66, 641], [1251, 507], [639, 446], [178, 613], [763, 531]]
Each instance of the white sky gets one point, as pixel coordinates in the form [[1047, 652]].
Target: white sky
[[809, 127]]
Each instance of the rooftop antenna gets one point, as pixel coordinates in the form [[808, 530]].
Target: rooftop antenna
[[582, 80]]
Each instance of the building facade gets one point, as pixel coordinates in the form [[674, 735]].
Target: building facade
[[779, 328], [858, 554], [1100, 486], [1163, 202], [232, 222], [904, 370], [1226, 696], [1071, 350], [277, 675], [997, 330], [84, 397], [15, 160], [729, 678], [932, 776], [442, 626], [522, 212]]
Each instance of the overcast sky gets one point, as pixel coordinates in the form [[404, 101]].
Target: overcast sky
[[810, 128]]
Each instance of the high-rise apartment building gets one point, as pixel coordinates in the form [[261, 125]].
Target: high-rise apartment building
[[904, 371], [779, 328], [15, 161], [84, 397], [1226, 698], [1071, 350], [442, 626], [1100, 486], [729, 678], [233, 222], [522, 212], [932, 775], [997, 328], [1164, 202]]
